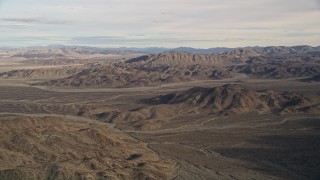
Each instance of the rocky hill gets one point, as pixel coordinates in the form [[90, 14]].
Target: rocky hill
[[101, 76], [280, 66], [45, 53], [229, 99], [65, 52], [283, 50], [69, 148], [41, 73], [184, 58], [232, 98], [116, 76]]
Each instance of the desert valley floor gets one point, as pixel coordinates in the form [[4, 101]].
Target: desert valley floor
[[238, 127]]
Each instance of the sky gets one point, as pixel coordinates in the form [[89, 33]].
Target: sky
[[160, 23]]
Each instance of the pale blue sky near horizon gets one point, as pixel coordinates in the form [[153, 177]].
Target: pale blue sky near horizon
[[160, 23]]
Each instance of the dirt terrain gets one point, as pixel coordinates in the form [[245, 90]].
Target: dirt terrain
[[34, 147], [239, 126]]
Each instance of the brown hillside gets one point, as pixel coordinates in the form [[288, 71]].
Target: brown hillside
[[41, 73], [184, 58], [117, 76], [280, 66], [238, 99], [56, 148], [229, 99]]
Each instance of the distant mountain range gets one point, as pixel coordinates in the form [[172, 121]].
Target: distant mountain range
[[179, 49], [61, 51], [153, 49], [118, 50]]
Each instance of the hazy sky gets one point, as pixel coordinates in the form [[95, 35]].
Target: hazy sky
[[165, 23]]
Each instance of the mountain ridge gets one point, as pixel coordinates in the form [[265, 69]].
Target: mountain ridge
[[55, 51]]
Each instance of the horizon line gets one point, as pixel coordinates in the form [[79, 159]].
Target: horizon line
[[146, 47]]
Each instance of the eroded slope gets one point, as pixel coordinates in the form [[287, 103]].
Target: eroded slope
[[64, 148]]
